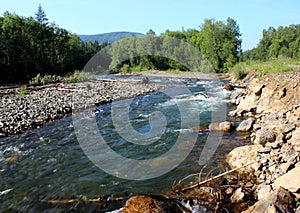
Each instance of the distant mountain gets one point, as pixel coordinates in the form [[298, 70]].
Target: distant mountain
[[108, 37]]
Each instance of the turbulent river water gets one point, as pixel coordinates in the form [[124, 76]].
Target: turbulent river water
[[49, 163]]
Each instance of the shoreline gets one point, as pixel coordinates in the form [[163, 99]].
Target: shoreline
[[188, 75], [270, 109], [27, 109]]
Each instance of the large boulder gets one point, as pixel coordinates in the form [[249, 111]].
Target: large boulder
[[223, 126], [241, 156], [245, 125]]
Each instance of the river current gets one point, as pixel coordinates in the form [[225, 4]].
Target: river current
[[49, 162]]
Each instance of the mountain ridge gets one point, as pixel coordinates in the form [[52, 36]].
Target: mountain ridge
[[108, 37]]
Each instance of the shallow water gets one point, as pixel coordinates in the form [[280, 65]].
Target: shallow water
[[49, 162]]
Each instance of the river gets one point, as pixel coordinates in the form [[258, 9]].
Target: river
[[49, 162]]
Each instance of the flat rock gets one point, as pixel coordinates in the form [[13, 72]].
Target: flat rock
[[290, 180], [245, 125], [264, 150], [263, 191], [278, 126]]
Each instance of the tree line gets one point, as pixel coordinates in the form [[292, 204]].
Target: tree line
[[31, 46], [218, 42], [283, 42]]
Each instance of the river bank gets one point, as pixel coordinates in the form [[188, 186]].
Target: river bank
[[270, 107], [30, 107]]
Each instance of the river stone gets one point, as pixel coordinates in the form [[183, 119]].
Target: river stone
[[264, 150], [263, 191], [290, 180], [143, 203], [263, 136], [237, 196], [245, 125], [228, 87], [241, 156], [225, 126]]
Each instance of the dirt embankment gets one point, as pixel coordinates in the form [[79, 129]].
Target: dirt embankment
[[270, 106]]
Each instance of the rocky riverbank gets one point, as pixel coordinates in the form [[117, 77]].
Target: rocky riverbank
[[270, 107], [23, 108]]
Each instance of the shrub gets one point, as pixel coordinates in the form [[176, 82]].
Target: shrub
[[80, 76], [44, 79]]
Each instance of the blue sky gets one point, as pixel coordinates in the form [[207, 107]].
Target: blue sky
[[102, 16]]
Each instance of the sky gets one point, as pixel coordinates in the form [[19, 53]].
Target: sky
[[103, 16]]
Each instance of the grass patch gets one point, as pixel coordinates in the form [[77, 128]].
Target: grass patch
[[23, 90], [241, 69], [80, 76]]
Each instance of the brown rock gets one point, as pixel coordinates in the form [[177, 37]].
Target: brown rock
[[263, 191], [237, 196], [295, 139], [142, 203], [290, 180], [280, 200], [257, 89], [263, 136], [245, 125], [228, 87], [241, 156], [223, 126], [249, 103], [277, 126]]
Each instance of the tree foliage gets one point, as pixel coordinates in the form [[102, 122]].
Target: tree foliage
[[219, 42], [283, 42], [32, 45]]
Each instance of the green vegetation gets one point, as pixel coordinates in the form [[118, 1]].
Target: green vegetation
[[219, 42], [29, 46], [283, 42], [36, 51], [23, 90], [241, 69], [38, 79], [278, 51], [80, 76]]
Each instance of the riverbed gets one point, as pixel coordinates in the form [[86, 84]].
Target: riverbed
[[49, 163]]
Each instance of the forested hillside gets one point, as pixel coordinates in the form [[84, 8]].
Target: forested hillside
[[108, 37]]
